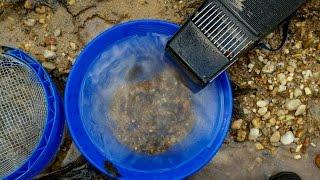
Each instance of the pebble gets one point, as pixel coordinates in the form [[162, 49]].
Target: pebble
[[57, 33], [41, 10], [275, 137], [317, 160], [282, 78], [49, 40], [293, 104], [282, 88], [28, 4], [254, 134], [259, 146], [262, 103], [290, 69], [301, 110], [313, 144], [297, 93], [298, 148], [42, 21], [237, 124], [262, 111], [241, 135], [307, 74], [287, 138], [49, 54], [49, 65], [297, 157], [30, 22], [71, 2], [256, 123], [307, 91], [269, 68], [73, 46]]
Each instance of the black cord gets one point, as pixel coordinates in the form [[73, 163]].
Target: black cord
[[285, 32]]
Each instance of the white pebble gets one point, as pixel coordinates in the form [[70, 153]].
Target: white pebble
[[254, 134], [282, 88], [48, 65], [262, 111], [297, 92], [30, 22], [287, 138], [313, 144], [307, 91], [301, 110], [275, 137], [49, 54], [293, 104], [269, 68], [57, 32], [297, 157], [307, 74], [262, 103]]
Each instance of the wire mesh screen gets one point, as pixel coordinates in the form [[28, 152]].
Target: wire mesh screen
[[23, 111]]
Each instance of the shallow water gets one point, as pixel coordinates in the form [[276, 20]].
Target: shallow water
[[113, 70]]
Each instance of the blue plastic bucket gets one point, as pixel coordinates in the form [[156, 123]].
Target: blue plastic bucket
[[104, 156], [52, 135]]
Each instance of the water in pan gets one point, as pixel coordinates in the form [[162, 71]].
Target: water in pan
[[136, 109]]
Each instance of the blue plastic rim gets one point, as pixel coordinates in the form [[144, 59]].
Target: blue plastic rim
[[51, 138], [84, 142]]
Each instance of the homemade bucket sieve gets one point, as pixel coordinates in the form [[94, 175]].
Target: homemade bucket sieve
[[87, 113], [31, 120]]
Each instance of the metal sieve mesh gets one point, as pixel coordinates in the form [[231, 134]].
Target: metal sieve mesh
[[23, 111]]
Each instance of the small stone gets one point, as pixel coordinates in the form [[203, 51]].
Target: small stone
[[49, 54], [259, 146], [57, 33], [269, 68], [293, 104], [290, 69], [282, 88], [71, 2], [254, 134], [297, 93], [317, 160], [307, 91], [275, 137], [241, 135], [30, 22], [237, 124], [298, 148], [287, 138], [28, 4], [297, 157], [266, 116], [262, 111], [262, 103], [42, 21], [41, 10], [282, 78], [53, 48], [256, 123], [313, 145], [301, 110], [49, 65], [49, 40], [73, 46], [272, 121], [307, 74]]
